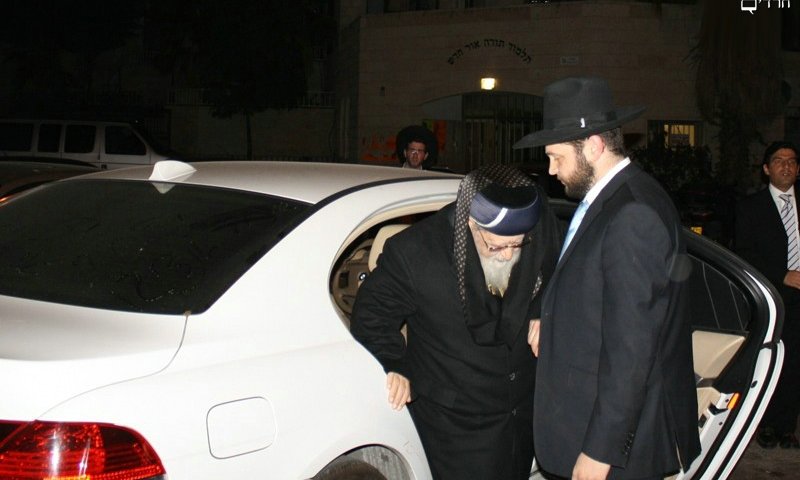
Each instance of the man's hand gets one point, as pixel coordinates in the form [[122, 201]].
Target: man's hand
[[399, 390], [792, 279], [587, 468], [533, 335]]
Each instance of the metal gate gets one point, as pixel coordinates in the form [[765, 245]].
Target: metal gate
[[490, 124]]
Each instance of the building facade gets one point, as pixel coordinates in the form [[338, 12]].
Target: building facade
[[407, 62]]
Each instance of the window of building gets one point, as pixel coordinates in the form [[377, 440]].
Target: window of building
[[393, 6], [675, 133], [423, 4], [790, 38]]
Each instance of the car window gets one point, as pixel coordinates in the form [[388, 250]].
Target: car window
[[716, 302], [136, 246], [49, 137], [16, 136], [80, 138], [123, 141]]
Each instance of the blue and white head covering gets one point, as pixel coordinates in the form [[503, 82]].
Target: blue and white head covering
[[499, 187], [506, 211]]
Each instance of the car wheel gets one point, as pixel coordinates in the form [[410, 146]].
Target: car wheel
[[350, 470]]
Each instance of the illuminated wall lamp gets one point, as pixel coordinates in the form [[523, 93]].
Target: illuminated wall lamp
[[488, 83]]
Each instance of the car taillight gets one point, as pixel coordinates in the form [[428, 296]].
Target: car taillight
[[75, 451]]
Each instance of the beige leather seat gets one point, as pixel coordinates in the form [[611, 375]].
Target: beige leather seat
[[383, 234], [380, 239], [712, 352]]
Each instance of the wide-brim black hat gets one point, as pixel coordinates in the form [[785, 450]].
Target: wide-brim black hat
[[413, 133], [576, 108]]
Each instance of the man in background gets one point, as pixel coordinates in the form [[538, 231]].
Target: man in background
[[416, 147], [767, 237]]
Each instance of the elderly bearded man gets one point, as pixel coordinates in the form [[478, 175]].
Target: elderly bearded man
[[466, 282]]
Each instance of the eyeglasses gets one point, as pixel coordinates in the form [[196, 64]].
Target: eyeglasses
[[415, 151], [494, 249], [780, 162]]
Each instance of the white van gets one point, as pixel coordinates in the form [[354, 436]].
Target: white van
[[105, 144]]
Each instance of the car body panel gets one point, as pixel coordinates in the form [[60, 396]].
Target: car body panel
[[286, 179], [255, 346], [59, 351], [268, 382]]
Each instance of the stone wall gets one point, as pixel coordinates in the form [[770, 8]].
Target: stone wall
[[410, 58]]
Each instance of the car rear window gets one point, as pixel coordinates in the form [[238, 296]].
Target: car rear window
[[136, 246]]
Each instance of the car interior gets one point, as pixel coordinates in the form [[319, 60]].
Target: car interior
[[361, 256]]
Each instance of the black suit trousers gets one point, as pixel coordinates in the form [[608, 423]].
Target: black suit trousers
[[784, 407]]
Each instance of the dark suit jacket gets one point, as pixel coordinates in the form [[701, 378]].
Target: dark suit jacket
[[761, 240], [615, 377]]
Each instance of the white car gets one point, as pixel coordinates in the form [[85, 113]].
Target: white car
[[190, 322]]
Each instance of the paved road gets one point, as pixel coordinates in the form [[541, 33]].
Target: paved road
[[760, 464]]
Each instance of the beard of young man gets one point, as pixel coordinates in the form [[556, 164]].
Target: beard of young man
[[497, 270], [582, 179]]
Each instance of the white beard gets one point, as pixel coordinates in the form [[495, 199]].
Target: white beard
[[496, 271]]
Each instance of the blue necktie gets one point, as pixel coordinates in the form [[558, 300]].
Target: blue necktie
[[573, 225]]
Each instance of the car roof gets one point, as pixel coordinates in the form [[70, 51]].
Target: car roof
[[16, 176], [304, 181], [15, 173]]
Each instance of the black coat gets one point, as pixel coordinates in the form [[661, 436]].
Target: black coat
[[761, 240], [481, 388], [615, 376]]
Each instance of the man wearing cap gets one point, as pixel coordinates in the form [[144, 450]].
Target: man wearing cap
[[615, 394], [466, 282], [416, 147]]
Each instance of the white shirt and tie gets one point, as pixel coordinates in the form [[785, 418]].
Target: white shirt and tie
[[590, 197], [786, 207]]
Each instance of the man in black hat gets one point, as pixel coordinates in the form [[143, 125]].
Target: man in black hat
[[466, 282], [416, 147], [615, 394]]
